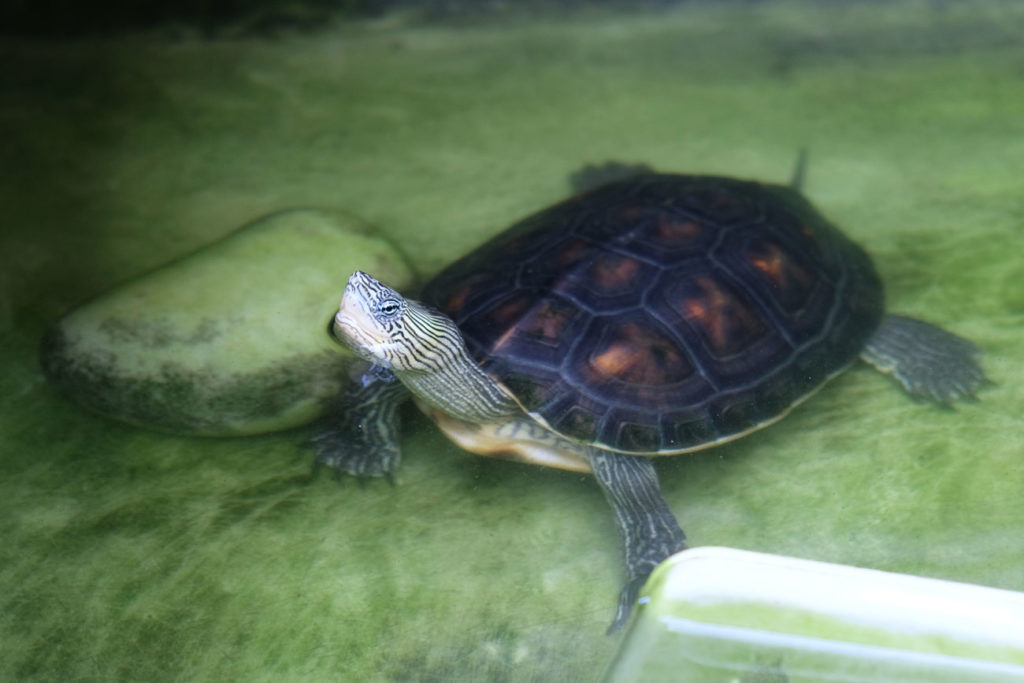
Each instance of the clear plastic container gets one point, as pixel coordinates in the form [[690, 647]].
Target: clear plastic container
[[723, 615]]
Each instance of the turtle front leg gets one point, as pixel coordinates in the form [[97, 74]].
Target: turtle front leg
[[361, 436], [928, 361], [649, 530]]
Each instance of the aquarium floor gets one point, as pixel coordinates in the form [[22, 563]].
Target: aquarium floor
[[131, 555]]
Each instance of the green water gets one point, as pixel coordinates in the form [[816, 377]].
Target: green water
[[138, 556]]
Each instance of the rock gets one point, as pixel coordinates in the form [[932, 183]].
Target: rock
[[229, 340]]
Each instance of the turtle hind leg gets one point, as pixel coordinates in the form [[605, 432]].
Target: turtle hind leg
[[592, 176], [649, 530], [929, 362], [360, 436]]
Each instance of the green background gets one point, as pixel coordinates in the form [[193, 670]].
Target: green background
[[135, 555]]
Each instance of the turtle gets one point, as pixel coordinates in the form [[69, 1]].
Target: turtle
[[649, 314]]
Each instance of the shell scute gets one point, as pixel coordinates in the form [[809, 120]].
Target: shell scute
[[725, 323], [628, 350], [540, 327]]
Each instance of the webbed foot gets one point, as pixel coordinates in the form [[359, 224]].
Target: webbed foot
[[627, 598], [931, 363], [594, 175], [361, 436]]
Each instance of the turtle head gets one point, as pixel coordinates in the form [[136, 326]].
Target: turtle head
[[393, 332]]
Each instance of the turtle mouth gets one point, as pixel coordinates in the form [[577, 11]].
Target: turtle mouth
[[332, 333], [345, 329], [355, 328]]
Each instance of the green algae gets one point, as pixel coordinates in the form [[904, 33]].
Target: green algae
[[132, 555]]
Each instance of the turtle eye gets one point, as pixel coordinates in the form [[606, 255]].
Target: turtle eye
[[388, 309]]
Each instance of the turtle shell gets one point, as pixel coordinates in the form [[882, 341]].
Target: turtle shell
[[664, 313]]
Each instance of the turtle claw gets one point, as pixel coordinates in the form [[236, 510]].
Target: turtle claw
[[627, 598], [361, 438], [347, 451]]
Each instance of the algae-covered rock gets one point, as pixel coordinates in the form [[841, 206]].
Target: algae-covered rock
[[229, 340]]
